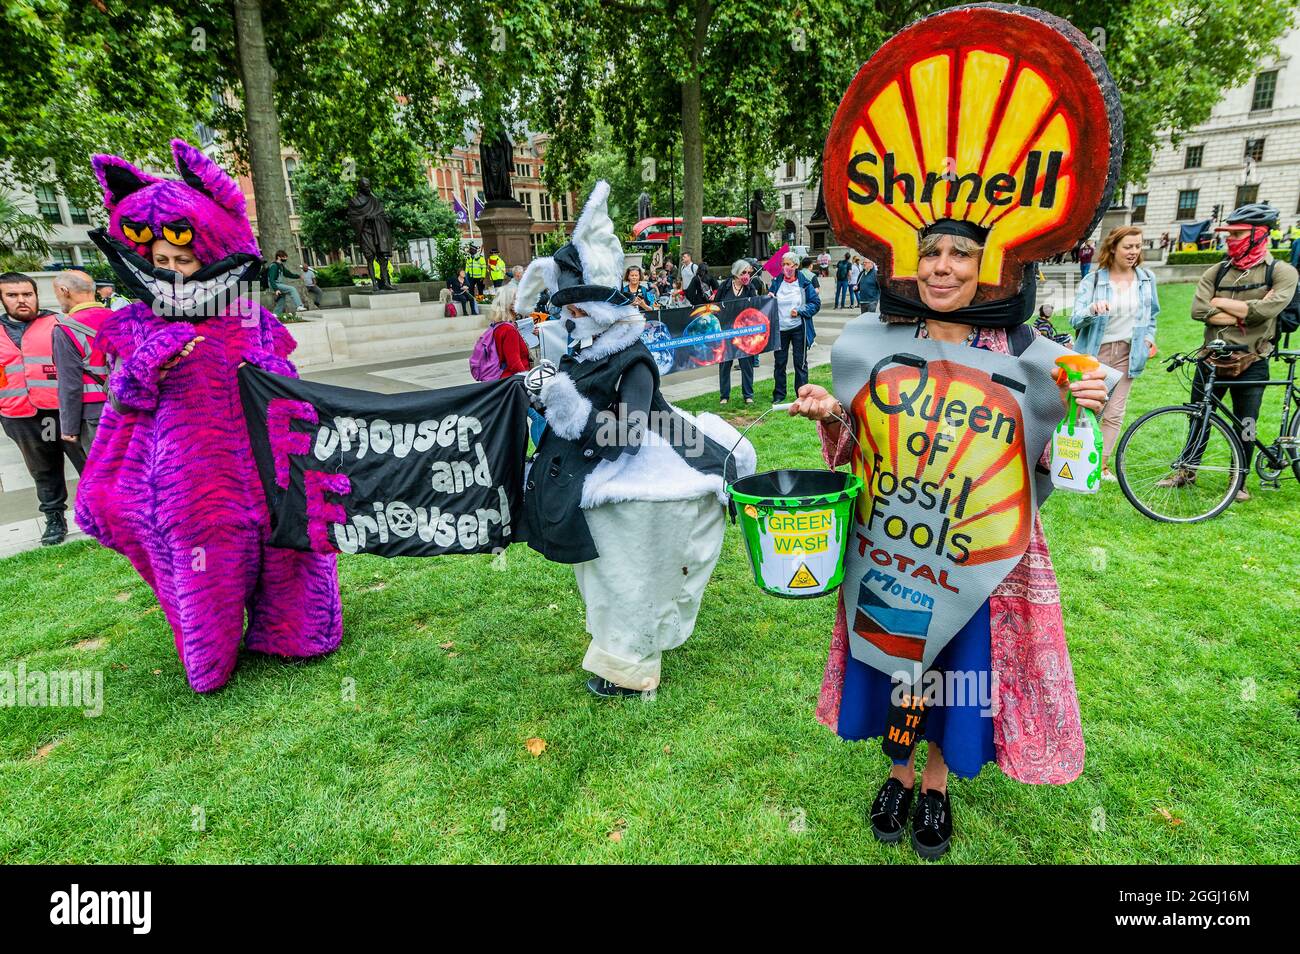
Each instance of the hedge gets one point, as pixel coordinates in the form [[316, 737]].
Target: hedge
[[1211, 256]]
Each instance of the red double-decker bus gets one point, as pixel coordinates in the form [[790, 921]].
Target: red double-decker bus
[[663, 228]]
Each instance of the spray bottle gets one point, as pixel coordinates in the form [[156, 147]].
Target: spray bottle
[[1077, 443]]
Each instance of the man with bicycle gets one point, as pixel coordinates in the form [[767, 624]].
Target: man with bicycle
[[1239, 301]]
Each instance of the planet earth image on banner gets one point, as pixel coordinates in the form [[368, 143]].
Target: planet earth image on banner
[[756, 342], [707, 352], [655, 331]]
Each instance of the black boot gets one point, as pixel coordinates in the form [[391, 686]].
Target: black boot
[[609, 690], [932, 825], [56, 530]]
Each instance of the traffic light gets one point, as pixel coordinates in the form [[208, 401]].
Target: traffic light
[[1218, 212]]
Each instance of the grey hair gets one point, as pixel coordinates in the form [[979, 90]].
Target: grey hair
[[75, 281], [790, 257], [739, 265]]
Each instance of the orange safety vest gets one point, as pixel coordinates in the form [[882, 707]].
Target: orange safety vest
[[27, 378], [82, 326]]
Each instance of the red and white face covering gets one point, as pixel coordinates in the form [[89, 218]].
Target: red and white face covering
[[1248, 249]]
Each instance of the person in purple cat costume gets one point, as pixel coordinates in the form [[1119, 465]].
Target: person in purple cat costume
[[171, 481]]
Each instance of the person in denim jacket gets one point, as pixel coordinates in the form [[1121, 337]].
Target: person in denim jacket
[[1114, 314]]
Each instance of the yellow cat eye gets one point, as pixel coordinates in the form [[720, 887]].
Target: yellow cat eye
[[138, 232], [183, 236]]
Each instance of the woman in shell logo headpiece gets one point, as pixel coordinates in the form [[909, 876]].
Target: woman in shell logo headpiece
[[973, 143]]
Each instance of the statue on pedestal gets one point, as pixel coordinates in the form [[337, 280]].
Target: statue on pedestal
[[374, 232], [497, 159]]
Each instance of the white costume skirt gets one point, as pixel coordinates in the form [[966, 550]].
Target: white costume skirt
[[643, 592]]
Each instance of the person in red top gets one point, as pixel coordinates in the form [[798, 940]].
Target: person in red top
[[81, 366], [511, 347], [29, 399]]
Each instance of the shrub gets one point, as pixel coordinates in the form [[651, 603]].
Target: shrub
[[412, 273], [334, 275], [449, 258], [1210, 256], [21, 262]]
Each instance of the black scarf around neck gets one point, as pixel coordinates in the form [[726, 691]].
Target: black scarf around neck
[[1003, 313]]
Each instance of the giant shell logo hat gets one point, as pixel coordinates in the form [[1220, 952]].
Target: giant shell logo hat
[[999, 123], [589, 268]]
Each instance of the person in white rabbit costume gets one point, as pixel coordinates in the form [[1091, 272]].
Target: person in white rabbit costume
[[624, 486]]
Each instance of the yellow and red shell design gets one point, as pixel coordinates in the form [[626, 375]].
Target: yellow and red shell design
[[997, 511], [1004, 117]]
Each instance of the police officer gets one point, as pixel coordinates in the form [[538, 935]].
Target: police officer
[[475, 269]]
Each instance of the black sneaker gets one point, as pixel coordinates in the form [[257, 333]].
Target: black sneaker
[[609, 690], [888, 815], [932, 825], [56, 530]]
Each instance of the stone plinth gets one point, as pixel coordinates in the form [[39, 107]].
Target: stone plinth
[[507, 227]]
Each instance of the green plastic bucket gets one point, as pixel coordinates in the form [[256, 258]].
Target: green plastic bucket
[[796, 526]]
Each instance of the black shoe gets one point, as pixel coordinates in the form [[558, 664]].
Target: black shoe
[[932, 825], [56, 530], [609, 690], [888, 815]]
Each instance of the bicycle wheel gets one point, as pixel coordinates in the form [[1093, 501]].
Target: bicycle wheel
[[1293, 432], [1156, 477]]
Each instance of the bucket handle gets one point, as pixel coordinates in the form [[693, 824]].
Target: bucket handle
[[783, 407]]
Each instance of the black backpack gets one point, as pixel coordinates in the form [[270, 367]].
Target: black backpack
[[1288, 320]]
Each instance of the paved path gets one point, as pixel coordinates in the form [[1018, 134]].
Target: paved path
[[21, 524]]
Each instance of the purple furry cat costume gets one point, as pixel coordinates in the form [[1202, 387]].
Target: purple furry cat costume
[[171, 481]]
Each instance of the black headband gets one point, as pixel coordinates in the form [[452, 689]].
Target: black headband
[[960, 227]]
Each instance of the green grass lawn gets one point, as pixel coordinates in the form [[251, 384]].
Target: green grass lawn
[[409, 743]]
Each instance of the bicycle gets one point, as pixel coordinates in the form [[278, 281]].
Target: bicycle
[[1157, 461]]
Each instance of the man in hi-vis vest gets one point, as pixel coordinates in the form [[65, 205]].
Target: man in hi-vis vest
[[497, 264], [81, 366], [475, 269], [29, 399]]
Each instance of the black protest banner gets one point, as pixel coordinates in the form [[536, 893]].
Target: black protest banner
[[695, 337], [417, 474]]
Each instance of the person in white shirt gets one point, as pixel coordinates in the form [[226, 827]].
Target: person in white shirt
[[688, 269]]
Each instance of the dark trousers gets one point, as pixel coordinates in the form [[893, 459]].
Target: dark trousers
[[747, 366], [43, 449], [793, 337], [866, 306], [841, 292], [1245, 401]]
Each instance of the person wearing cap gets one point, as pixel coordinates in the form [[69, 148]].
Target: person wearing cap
[[475, 269], [858, 700], [797, 301], [1239, 301], [108, 297], [497, 269]]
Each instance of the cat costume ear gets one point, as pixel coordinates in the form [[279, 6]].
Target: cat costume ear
[[204, 175], [118, 178]]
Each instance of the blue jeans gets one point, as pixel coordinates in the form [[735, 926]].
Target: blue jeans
[[841, 292], [1083, 269], [288, 293]]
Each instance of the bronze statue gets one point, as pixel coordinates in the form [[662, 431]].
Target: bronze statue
[[374, 232], [497, 159]]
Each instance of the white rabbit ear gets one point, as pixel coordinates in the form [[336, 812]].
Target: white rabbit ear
[[597, 242], [540, 275]]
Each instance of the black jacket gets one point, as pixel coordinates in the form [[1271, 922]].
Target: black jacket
[[554, 524]]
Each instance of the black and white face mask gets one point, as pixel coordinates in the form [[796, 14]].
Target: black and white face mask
[[211, 291]]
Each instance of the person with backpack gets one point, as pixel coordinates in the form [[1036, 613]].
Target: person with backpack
[[1115, 313], [1248, 300], [501, 349], [842, 269]]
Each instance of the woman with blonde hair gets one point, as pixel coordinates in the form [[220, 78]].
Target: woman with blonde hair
[[1115, 312]]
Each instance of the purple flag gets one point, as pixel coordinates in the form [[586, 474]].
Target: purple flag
[[461, 215], [478, 207]]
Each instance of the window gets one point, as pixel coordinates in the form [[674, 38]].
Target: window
[[789, 201], [1139, 208], [521, 170], [1265, 87], [528, 204], [1193, 158], [47, 205], [61, 255], [564, 207], [1187, 203], [537, 238], [290, 168], [545, 202], [789, 172], [1246, 194], [78, 214], [1255, 149]]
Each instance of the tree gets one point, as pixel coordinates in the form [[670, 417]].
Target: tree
[[415, 211], [22, 232], [749, 82]]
